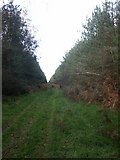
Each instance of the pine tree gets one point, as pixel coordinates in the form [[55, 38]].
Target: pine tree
[[20, 66]]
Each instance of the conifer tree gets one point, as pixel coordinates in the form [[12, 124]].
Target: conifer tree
[[20, 66]]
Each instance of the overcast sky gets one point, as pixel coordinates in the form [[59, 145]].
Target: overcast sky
[[58, 24]]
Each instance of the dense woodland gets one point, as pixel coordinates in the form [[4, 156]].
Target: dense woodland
[[48, 124], [20, 69], [89, 70]]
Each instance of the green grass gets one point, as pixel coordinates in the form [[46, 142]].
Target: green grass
[[46, 124]]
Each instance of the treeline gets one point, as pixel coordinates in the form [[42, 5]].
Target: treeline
[[20, 69], [89, 70]]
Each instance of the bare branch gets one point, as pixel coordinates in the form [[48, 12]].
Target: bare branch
[[88, 73]]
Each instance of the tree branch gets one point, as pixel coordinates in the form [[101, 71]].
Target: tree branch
[[88, 73]]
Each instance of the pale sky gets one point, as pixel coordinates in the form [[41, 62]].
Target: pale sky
[[59, 25]]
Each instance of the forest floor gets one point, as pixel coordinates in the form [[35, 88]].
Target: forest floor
[[46, 124]]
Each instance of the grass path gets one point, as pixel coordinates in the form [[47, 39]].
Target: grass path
[[48, 125]]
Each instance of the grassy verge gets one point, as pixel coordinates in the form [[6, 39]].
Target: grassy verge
[[48, 125]]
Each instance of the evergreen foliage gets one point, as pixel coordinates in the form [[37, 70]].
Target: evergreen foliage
[[19, 63], [90, 69]]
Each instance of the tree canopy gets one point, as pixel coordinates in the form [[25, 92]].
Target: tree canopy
[[19, 62], [89, 70]]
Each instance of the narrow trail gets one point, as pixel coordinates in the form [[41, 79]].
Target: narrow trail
[[49, 125]]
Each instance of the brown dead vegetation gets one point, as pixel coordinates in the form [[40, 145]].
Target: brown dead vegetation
[[37, 88], [55, 85], [110, 92], [105, 93]]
